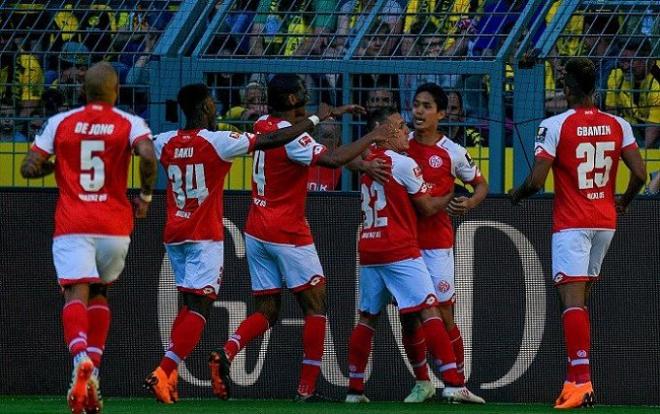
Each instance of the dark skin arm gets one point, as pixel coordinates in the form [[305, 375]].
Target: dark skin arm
[[342, 155], [534, 181], [427, 205], [36, 165], [148, 173], [633, 160]]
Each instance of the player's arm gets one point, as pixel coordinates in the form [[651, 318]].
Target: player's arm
[[427, 205], [283, 136], [461, 205], [36, 164], [534, 181], [148, 172], [344, 154], [633, 160], [378, 169]]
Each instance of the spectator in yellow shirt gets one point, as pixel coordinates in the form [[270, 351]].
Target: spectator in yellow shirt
[[634, 92]]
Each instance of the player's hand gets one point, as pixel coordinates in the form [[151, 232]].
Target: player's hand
[[140, 207], [459, 206], [378, 169], [446, 199], [621, 208], [336, 112]]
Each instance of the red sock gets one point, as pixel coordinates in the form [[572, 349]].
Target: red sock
[[98, 315], [313, 338], [183, 340], [359, 348], [578, 343], [439, 345], [74, 321], [255, 325], [415, 346], [457, 346]]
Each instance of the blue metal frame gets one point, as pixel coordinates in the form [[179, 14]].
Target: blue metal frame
[[193, 29]]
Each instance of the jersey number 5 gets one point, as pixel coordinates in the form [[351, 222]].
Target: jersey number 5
[[200, 192], [374, 192], [594, 159], [92, 169]]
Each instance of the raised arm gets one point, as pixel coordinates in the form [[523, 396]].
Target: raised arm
[[344, 154]]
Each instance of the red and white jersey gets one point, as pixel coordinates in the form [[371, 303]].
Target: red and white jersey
[[585, 146], [389, 230], [92, 145], [279, 187], [441, 164], [196, 162]]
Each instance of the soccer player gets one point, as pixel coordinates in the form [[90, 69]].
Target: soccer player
[[197, 159], [582, 146], [441, 161], [279, 245], [391, 263], [93, 217]]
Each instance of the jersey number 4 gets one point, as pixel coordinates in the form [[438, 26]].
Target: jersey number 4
[[374, 192], [196, 190], [594, 159]]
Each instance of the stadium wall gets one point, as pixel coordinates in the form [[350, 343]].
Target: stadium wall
[[507, 308]]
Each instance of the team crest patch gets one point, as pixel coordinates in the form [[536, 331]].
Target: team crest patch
[[540, 134], [435, 161], [444, 286]]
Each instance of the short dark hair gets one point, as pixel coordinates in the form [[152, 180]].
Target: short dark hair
[[280, 87], [191, 97], [580, 76], [437, 93], [379, 115]]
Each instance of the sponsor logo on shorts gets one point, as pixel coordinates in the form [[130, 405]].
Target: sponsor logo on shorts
[[582, 353], [558, 277], [208, 290], [315, 280], [444, 286], [431, 300], [435, 161]]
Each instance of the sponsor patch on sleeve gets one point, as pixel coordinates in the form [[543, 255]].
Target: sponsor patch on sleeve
[[417, 171], [469, 159], [541, 133]]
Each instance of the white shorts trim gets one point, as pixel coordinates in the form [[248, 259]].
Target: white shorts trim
[[579, 253], [82, 258], [440, 264], [197, 266]]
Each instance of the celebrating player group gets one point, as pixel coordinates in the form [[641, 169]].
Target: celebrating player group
[[406, 240]]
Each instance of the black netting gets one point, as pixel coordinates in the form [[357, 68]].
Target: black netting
[[507, 308]]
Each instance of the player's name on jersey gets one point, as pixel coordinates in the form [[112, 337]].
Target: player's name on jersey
[[93, 197], [371, 235], [183, 152], [592, 131], [596, 196], [183, 214], [94, 129]]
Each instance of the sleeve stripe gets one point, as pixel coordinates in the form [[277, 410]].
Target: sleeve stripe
[[631, 146], [141, 138], [544, 154], [41, 151]]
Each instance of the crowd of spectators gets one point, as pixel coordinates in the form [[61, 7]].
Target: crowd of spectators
[[47, 46], [46, 50]]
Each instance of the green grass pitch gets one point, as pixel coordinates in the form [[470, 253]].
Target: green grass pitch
[[56, 405]]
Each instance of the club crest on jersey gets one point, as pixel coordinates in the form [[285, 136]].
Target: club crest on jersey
[[540, 134], [435, 161], [444, 286]]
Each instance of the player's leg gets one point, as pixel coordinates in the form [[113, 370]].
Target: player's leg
[[373, 297], [301, 268], [197, 270], [74, 258], [313, 304], [266, 288], [571, 252], [414, 344]]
